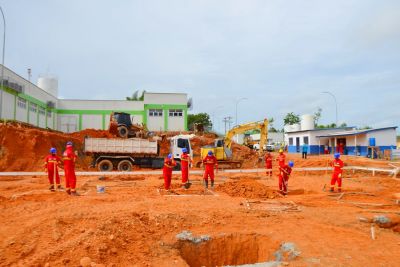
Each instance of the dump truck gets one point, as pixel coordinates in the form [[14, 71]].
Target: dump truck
[[122, 154], [121, 125]]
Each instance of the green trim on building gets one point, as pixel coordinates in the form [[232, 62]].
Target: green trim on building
[[80, 122], [165, 108], [103, 121], [186, 118], [165, 113], [54, 121], [96, 112]]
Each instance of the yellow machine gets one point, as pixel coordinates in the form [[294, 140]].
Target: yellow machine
[[222, 147]]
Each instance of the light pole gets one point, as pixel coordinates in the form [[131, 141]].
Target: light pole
[[2, 63], [329, 93], [237, 103]]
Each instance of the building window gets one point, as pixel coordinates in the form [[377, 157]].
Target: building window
[[155, 112], [305, 140], [291, 141], [33, 107], [175, 113], [49, 113], [42, 111], [21, 103]]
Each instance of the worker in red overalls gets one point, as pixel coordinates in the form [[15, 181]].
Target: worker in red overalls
[[284, 174], [169, 164], [51, 163], [210, 163], [69, 158], [268, 164], [281, 158], [186, 161], [337, 165]]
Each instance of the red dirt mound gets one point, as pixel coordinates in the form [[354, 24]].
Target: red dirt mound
[[24, 148], [247, 188]]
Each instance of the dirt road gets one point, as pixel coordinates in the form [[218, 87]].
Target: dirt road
[[243, 221]]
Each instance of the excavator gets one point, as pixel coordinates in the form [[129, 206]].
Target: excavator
[[222, 146]]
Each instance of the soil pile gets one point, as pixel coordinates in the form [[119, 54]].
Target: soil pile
[[247, 188], [24, 148]]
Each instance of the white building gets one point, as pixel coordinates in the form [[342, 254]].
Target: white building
[[23, 101], [345, 140]]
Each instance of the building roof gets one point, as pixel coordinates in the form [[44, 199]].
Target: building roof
[[323, 129], [355, 132]]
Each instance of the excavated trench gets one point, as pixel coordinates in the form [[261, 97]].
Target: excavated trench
[[232, 249]]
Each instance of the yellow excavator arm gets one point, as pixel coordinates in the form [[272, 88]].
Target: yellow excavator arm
[[261, 125]]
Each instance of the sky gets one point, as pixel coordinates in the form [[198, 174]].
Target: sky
[[278, 55]]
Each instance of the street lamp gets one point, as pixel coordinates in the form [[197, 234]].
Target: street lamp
[[329, 93], [237, 102], [213, 115], [2, 63]]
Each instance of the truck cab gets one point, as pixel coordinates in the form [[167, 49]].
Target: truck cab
[[177, 143]]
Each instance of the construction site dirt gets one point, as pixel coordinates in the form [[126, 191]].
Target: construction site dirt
[[244, 220]]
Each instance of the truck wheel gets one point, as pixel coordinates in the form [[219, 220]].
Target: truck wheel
[[125, 166], [122, 131], [105, 165]]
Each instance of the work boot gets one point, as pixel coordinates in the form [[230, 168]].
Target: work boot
[[60, 188], [68, 191], [205, 184], [212, 184], [51, 188], [332, 190], [340, 190], [74, 193]]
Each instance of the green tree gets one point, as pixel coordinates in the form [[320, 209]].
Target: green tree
[[291, 119], [135, 96], [202, 118], [271, 125], [317, 116]]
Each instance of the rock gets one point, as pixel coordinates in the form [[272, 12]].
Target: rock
[[66, 261], [287, 252], [187, 236], [382, 221], [114, 251], [85, 262], [111, 237]]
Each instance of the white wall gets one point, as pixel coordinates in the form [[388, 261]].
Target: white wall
[[156, 123], [92, 121], [385, 137], [165, 98], [8, 106], [100, 104], [21, 114], [68, 123], [176, 123]]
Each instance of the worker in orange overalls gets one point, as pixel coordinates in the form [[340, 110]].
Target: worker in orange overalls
[[284, 174], [268, 164], [210, 162], [169, 164], [337, 165], [281, 158], [69, 158], [186, 161], [51, 163]]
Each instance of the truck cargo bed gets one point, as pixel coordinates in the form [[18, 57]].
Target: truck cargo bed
[[121, 146]]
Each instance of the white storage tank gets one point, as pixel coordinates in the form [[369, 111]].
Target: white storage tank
[[49, 83], [292, 128], [307, 122]]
